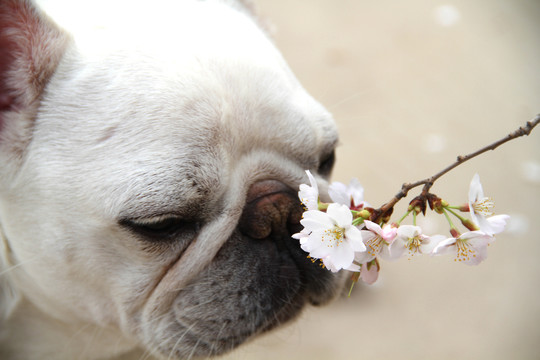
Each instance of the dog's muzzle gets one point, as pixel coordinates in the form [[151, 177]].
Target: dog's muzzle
[[259, 279]]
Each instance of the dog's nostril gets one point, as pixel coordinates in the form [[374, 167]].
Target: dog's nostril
[[271, 209]]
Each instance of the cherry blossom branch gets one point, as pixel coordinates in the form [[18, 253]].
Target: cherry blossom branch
[[386, 210]]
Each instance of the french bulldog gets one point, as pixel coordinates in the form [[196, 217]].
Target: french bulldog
[[150, 156]]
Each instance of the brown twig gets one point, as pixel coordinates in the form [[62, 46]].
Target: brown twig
[[387, 208]]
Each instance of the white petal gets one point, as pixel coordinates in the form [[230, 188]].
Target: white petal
[[327, 261], [385, 252], [362, 257], [405, 232], [476, 218], [342, 256], [319, 252], [475, 189], [309, 197], [477, 238], [367, 235], [396, 250], [444, 247], [481, 222], [353, 267], [314, 219], [477, 259], [312, 180], [479, 245], [497, 223], [428, 246], [480, 255], [356, 191], [313, 242], [354, 236], [477, 242], [338, 193], [299, 235], [470, 235], [341, 214]]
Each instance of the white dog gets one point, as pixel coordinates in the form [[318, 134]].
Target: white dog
[[149, 161]]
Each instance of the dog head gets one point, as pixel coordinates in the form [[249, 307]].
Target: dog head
[[148, 178]]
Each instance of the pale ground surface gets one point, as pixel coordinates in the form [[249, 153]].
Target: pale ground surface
[[408, 95]]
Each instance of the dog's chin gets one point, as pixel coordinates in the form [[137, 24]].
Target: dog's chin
[[252, 286]]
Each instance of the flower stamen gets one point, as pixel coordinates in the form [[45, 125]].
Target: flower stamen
[[334, 236], [374, 245], [483, 206], [464, 251], [413, 245]]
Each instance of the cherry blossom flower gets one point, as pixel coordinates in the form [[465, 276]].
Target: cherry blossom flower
[[469, 248], [309, 195], [480, 209], [410, 238], [331, 237], [479, 204], [377, 240], [352, 195]]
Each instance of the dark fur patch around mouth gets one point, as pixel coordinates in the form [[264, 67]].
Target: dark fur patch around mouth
[[258, 280], [251, 287]]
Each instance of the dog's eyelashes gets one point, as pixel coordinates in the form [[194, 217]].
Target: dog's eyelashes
[[160, 228], [327, 164]]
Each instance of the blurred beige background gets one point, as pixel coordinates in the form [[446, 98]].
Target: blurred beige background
[[412, 84]]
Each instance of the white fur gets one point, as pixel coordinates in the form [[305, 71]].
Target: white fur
[[132, 106]]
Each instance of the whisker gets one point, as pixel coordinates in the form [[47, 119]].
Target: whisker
[[12, 267], [194, 348], [347, 99], [88, 344], [154, 348], [72, 337], [179, 340], [151, 348], [213, 344]]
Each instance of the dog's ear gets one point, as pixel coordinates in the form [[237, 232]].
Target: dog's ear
[[31, 47]]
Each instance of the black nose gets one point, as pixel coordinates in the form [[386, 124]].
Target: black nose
[[272, 210]]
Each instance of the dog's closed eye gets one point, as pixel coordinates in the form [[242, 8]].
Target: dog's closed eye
[[161, 228]]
